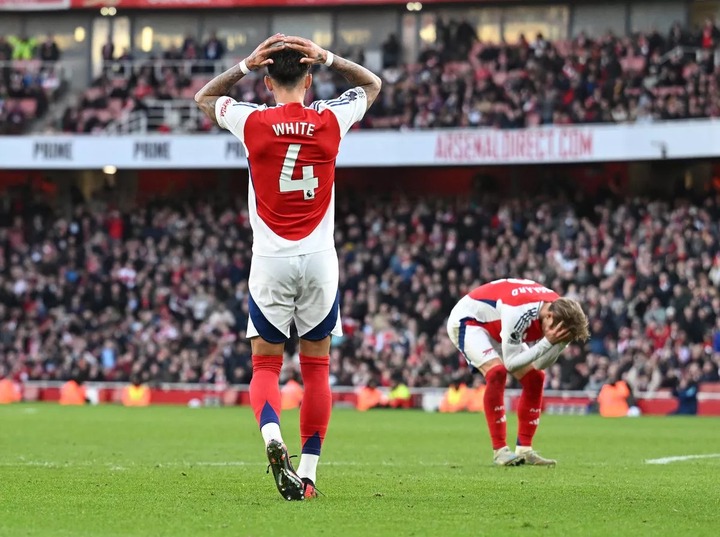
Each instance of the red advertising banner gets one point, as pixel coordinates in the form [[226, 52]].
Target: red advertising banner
[[33, 5]]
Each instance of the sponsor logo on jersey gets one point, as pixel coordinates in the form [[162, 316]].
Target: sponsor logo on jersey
[[224, 107]]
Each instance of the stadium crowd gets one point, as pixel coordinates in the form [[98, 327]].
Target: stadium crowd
[[160, 291], [29, 80], [461, 81]]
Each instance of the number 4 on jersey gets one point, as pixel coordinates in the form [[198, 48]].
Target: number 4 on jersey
[[307, 184]]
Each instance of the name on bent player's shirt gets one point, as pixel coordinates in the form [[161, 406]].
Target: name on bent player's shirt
[[523, 290], [297, 127]]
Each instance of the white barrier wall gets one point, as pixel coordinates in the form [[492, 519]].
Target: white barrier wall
[[589, 143]]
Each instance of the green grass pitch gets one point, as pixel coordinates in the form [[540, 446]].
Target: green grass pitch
[[172, 471]]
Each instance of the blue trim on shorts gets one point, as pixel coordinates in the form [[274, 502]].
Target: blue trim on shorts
[[264, 327], [327, 325]]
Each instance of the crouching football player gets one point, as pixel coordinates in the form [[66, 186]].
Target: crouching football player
[[492, 327]]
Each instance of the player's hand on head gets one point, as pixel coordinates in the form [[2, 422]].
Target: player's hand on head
[[314, 53], [260, 57], [557, 333]]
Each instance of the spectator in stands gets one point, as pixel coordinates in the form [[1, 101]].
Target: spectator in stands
[[6, 49], [14, 118], [391, 52], [108, 50], [710, 35], [49, 50], [686, 393], [214, 49], [190, 49], [23, 47]]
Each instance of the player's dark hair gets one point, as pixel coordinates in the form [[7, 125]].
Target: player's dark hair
[[286, 69]]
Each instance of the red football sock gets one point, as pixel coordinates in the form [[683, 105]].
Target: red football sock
[[265, 390], [494, 400], [529, 406], [316, 404]]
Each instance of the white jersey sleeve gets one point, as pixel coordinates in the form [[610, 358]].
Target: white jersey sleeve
[[349, 108], [231, 115], [515, 321]]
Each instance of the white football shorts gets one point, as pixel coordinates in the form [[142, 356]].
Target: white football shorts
[[302, 288], [473, 341]]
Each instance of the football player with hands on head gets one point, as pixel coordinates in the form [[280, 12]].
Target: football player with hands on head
[[291, 150], [493, 326]]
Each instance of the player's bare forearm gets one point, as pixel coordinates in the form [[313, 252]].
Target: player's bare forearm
[[358, 75], [216, 88]]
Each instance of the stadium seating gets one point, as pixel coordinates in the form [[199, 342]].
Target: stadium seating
[[610, 79], [161, 290], [27, 88]]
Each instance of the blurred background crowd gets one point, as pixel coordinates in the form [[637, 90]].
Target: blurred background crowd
[[459, 81], [160, 291]]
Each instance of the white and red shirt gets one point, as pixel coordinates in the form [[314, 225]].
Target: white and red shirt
[[509, 311], [291, 151]]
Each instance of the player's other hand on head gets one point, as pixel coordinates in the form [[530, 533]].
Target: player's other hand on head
[[314, 53], [557, 333], [260, 57]]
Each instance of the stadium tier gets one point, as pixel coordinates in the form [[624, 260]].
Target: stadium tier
[[161, 290], [111, 270], [505, 67]]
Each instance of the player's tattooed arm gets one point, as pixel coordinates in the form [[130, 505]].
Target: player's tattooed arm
[[354, 73], [221, 84]]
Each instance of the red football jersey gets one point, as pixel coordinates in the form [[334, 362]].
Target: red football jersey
[[508, 309], [291, 152]]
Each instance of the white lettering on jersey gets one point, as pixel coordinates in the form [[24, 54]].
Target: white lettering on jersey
[[298, 127], [529, 290]]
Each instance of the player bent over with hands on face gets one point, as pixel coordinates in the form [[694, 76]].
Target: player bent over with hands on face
[[492, 326], [291, 153]]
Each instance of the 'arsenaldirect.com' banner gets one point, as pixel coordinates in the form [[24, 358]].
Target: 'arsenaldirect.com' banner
[[368, 148]]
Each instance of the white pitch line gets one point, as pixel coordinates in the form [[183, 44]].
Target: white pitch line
[[680, 458]]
